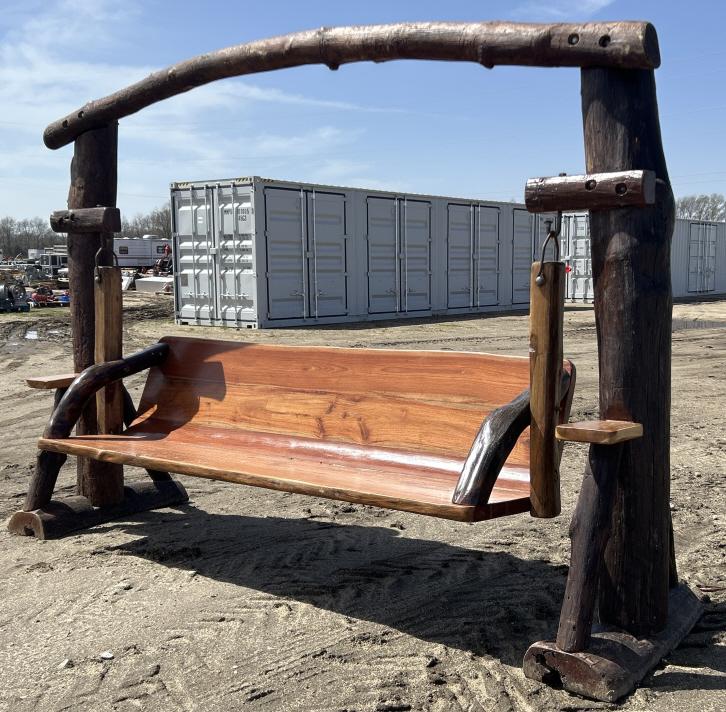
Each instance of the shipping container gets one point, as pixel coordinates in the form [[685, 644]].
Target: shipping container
[[255, 252], [698, 258]]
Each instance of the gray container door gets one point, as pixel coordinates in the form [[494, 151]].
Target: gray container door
[[486, 257], [327, 261], [575, 246], [415, 255], [702, 257], [287, 279], [460, 248], [383, 247], [195, 254], [521, 255], [234, 226]]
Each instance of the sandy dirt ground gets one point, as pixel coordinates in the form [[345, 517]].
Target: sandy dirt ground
[[255, 600]]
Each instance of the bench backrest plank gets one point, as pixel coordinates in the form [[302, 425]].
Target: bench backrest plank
[[423, 401]]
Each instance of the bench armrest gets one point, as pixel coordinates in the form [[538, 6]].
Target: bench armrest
[[496, 439], [599, 432], [47, 383], [497, 436], [92, 380]]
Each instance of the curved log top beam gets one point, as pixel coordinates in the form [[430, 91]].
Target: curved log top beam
[[628, 45]]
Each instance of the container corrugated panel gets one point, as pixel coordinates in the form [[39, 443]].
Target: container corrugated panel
[[398, 234], [194, 252], [472, 255], [721, 259], [575, 249], [305, 238], [234, 227], [698, 257], [702, 257]]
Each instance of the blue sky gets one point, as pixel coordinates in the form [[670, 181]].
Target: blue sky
[[441, 128]]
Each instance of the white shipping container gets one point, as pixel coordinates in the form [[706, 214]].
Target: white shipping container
[[254, 252], [698, 258]]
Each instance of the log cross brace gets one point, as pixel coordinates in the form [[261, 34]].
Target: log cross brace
[[593, 191], [86, 220]]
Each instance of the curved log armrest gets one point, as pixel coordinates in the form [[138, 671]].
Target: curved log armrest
[[66, 415], [496, 439], [497, 436]]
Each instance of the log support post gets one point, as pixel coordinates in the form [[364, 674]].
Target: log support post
[[589, 532], [633, 306], [93, 184], [622, 528]]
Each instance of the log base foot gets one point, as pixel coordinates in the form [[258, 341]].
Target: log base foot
[[615, 661], [70, 514]]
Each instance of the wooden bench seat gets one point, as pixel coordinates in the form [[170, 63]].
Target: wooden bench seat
[[387, 478], [382, 427]]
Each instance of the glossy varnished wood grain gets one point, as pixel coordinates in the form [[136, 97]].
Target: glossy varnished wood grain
[[379, 427], [387, 478], [423, 401]]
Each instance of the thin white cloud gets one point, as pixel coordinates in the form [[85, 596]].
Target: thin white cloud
[[43, 76], [562, 10]]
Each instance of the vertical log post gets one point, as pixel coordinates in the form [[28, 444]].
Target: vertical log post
[[93, 183], [589, 532], [633, 304], [547, 304]]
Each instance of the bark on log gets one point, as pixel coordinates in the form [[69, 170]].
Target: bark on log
[[491, 448], [633, 304], [86, 220], [93, 183], [615, 661], [602, 44], [72, 407], [594, 191], [589, 532], [547, 307], [61, 517]]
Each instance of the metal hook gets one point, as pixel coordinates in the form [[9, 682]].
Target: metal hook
[[552, 234], [97, 259]]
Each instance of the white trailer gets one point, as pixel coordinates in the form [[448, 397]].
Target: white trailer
[[140, 252]]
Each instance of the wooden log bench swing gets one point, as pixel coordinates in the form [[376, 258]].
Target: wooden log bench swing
[[463, 436]]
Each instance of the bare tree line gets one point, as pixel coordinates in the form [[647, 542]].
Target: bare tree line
[[702, 207], [18, 236], [156, 222]]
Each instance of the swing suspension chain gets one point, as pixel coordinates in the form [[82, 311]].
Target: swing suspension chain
[[552, 234]]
